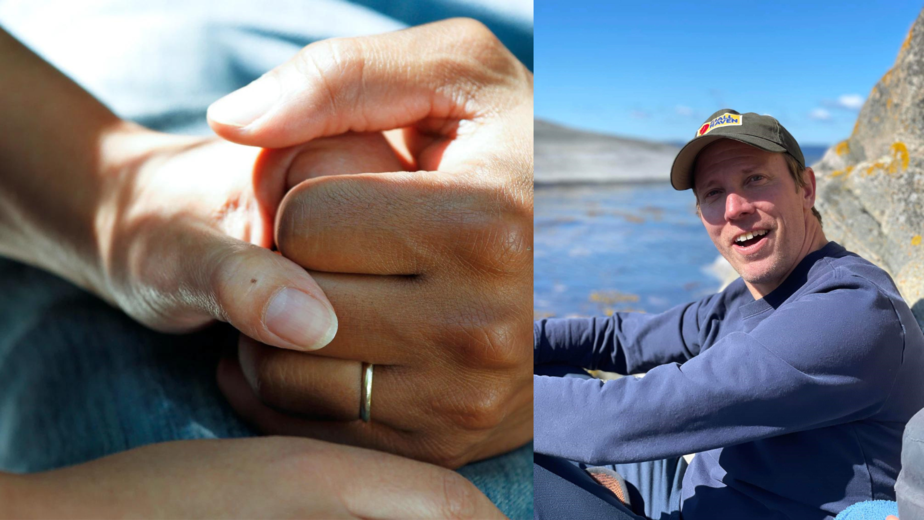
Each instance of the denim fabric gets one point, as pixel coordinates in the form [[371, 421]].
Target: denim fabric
[[161, 64], [80, 380]]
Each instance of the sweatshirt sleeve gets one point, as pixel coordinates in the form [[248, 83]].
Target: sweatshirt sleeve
[[825, 359], [625, 343]]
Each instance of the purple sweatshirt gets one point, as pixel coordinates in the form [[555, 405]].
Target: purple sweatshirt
[[795, 403]]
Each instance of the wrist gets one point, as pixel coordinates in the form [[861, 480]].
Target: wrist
[[47, 205], [124, 151]]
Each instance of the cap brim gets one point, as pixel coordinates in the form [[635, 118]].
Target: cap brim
[[682, 169]]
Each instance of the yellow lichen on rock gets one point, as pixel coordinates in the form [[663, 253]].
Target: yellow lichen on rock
[[906, 43], [845, 172], [900, 156], [842, 148], [888, 206], [883, 162], [886, 78], [894, 163]]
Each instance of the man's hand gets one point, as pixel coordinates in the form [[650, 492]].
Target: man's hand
[[245, 478], [430, 271]]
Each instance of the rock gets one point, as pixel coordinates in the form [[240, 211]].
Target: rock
[[871, 186]]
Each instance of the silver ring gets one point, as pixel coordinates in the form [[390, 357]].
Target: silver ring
[[365, 397]]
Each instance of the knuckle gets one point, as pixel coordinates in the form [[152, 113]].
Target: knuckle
[[475, 35], [504, 246], [488, 61], [479, 408], [490, 333], [499, 344], [484, 60], [498, 239], [485, 411]]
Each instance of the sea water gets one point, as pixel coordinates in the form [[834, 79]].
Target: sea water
[[601, 249]]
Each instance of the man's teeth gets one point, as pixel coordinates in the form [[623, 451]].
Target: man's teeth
[[748, 236]]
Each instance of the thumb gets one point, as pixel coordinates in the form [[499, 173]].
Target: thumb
[[264, 295], [449, 70]]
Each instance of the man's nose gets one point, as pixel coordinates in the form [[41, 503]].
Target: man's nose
[[737, 206]]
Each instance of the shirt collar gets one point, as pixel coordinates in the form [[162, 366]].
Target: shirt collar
[[795, 280]]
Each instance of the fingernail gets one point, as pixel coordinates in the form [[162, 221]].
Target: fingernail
[[296, 317], [246, 105]]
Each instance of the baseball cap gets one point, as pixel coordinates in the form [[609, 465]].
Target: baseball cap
[[763, 132]]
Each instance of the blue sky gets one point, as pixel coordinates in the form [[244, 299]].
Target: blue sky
[[656, 70]]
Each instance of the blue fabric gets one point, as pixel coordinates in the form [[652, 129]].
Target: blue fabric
[[564, 490], [795, 403], [653, 486], [869, 510]]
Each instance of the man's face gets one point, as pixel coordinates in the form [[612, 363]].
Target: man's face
[[744, 191]]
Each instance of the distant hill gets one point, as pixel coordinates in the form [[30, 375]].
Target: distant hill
[[569, 156]]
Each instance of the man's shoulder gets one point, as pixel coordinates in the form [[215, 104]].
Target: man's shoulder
[[848, 270]]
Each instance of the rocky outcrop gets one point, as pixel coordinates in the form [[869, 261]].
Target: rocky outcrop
[[569, 156], [871, 186]]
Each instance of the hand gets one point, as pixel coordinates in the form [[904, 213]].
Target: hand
[[246, 478], [186, 231], [173, 230], [430, 271]]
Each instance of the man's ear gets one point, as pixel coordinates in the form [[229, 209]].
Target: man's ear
[[808, 191]]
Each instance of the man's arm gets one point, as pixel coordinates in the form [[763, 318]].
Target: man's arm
[[627, 342], [814, 352]]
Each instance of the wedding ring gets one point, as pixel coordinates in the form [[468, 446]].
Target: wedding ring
[[365, 397]]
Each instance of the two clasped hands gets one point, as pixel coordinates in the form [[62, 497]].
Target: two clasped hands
[[393, 174]]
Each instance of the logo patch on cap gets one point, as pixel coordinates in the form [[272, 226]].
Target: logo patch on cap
[[726, 119]]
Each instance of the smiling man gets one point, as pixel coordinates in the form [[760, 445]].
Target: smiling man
[[793, 385]]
